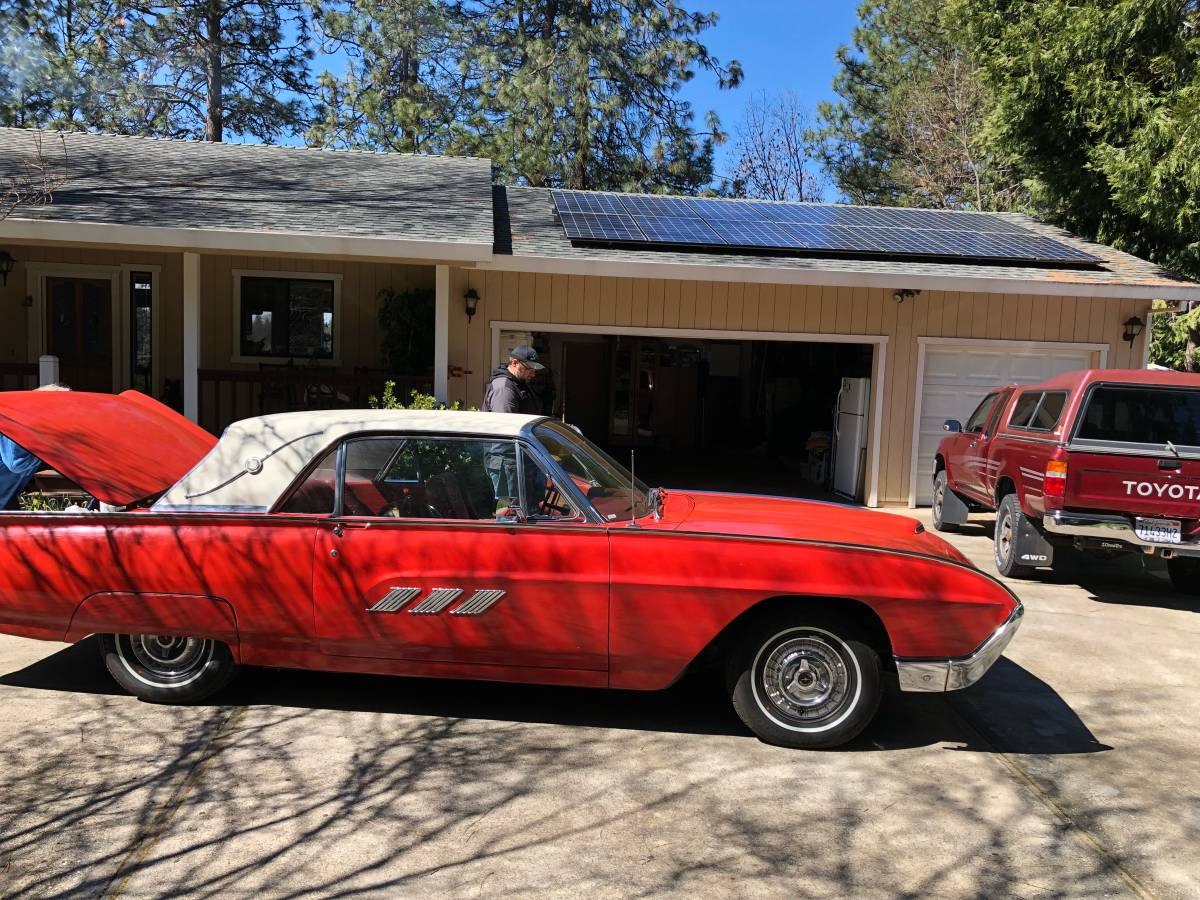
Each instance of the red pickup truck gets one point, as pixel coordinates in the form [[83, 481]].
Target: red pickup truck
[[1103, 460]]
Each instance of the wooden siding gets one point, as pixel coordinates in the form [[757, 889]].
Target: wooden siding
[[723, 306], [359, 338]]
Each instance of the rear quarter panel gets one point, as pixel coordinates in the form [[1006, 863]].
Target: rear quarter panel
[[147, 566], [672, 593]]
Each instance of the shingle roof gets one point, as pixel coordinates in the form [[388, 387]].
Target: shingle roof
[[527, 227], [251, 187]]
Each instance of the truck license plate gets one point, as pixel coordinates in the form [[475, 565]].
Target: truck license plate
[[1159, 531]]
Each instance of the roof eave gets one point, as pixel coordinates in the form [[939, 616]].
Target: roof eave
[[814, 275], [242, 241]]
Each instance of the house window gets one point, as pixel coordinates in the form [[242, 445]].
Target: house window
[[141, 312], [286, 317]]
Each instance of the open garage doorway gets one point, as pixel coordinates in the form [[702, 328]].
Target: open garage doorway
[[714, 412]]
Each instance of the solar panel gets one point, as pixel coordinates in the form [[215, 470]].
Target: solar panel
[[825, 228]]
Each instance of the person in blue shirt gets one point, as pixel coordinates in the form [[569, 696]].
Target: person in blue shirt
[[18, 465]]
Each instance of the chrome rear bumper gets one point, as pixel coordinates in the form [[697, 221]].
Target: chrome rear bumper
[[1118, 529], [956, 674]]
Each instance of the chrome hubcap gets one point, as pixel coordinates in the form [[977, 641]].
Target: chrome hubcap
[[805, 678], [169, 658]]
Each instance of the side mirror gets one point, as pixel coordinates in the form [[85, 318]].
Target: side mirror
[[952, 425]]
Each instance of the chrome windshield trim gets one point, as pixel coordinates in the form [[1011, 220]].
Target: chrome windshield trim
[[938, 675]]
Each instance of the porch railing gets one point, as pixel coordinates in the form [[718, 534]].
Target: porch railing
[[227, 395], [18, 376]]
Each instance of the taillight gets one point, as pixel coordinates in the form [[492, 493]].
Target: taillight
[[1056, 478]]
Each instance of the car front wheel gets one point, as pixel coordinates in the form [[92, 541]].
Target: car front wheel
[[806, 683], [164, 669]]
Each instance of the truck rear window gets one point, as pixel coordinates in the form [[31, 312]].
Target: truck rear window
[[1141, 415]]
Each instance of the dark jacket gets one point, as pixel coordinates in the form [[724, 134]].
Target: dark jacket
[[505, 392]]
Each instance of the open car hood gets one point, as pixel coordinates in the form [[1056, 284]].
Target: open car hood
[[119, 449]]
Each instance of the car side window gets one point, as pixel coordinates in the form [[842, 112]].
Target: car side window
[[1049, 411], [544, 499], [430, 478], [982, 412], [315, 495], [1027, 405]]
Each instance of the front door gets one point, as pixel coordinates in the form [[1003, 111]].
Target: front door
[[79, 331], [459, 550]]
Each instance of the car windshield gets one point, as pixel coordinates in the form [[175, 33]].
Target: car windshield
[[1142, 415], [600, 478]]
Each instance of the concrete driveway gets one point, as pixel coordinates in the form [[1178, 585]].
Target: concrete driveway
[[1071, 770]]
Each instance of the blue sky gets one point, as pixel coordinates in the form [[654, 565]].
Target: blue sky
[[781, 44]]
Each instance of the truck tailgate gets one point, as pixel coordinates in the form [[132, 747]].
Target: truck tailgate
[[1163, 486]]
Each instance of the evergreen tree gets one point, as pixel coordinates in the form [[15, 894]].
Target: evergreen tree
[[585, 93], [60, 64], [906, 129], [1097, 102], [211, 66], [405, 86]]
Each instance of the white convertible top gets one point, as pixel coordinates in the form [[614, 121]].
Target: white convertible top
[[257, 459]]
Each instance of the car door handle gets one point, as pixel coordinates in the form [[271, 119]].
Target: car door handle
[[339, 528]]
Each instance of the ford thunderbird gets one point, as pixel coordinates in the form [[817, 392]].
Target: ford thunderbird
[[470, 546]]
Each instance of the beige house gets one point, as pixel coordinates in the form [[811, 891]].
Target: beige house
[[234, 279]]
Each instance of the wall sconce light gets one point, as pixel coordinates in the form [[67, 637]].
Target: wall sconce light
[[470, 303], [904, 294], [6, 266], [1133, 327]]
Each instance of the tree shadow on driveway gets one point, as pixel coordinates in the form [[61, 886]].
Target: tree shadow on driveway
[[1010, 710]]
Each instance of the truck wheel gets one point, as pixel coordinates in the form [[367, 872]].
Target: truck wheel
[[1185, 573], [940, 487], [807, 683], [167, 669], [1009, 521]]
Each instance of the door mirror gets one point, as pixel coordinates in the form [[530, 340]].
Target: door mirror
[[952, 425]]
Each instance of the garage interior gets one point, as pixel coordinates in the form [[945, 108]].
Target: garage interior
[[730, 415]]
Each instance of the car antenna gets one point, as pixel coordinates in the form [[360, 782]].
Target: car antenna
[[632, 492]]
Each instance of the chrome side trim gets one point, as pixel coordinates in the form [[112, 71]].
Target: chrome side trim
[[964, 671], [479, 602], [438, 599], [1109, 528], [394, 599]]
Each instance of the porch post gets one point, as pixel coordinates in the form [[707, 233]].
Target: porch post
[[441, 335], [191, 336]]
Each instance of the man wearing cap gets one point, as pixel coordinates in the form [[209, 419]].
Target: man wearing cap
[[508, 390]]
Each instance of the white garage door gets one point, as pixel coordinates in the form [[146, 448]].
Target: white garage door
[[958, 376]]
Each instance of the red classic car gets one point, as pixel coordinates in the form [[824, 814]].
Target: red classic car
[[471, 545]]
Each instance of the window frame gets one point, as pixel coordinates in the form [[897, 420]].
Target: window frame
[[525, 443], [332, 277], [994, 396], [1066, 395]]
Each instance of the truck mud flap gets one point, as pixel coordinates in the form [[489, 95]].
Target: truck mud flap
[[1032, 548], [954, 509]]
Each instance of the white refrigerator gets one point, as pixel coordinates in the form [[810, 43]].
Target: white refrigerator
[[850, 436]]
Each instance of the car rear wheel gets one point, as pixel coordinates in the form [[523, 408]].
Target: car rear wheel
[[940, 487], [1009, 521], [1185, 573], [807, 683], [164, 669]]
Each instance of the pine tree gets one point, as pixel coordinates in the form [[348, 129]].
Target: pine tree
[[906, 129], [404, 87], [60, 64], [209, 67], [585, 93]]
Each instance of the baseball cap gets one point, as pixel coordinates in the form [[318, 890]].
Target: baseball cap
[[527, 355]]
